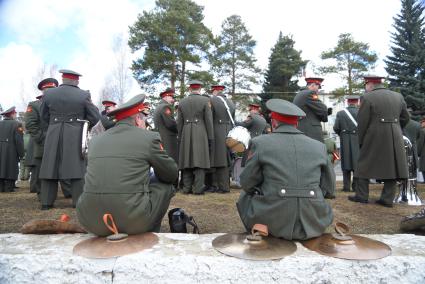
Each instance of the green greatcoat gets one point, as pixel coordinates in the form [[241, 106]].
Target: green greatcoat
[[36, 127], [292, 174], [421, 150], [381, 116], [412, 130], [255, 123], [118, 181], [11, 148], [316, 112], [349, 140], [195, 130], [62, 108], [166, 124], [222, 126]]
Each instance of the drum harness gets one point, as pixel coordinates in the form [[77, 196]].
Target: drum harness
[[228, 110]]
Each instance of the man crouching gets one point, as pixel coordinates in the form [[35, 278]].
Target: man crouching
[[118, 174], [286, 177]]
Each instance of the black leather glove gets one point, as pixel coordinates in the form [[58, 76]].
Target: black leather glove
[[329, 110]]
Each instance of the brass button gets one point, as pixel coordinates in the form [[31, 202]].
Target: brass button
[[312, 193], [283, 191]]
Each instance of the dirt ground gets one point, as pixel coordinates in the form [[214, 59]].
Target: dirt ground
[[215, 212]]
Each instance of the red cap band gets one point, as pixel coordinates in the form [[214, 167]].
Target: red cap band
[[352, 101], [108, 104], [288, 119], [167, 94], [48, 85], [315, 81], [129, 112], [217, 88], [70, 76], [195, 86], [373, 80]]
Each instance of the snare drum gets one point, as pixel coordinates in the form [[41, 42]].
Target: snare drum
[[238, 139]]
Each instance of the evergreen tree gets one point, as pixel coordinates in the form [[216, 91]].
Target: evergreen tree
[[406, 65], [285, 63], [351, 60], [171, 37], [233, 60]]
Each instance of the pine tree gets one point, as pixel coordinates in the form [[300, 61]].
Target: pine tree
[[406, 65], [285, 63], [233, 60]]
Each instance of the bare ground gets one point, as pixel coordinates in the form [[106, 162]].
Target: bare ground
[[215, 212]]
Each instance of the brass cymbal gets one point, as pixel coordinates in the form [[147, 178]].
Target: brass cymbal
[[267, 248], [101, 247], [358, 248]]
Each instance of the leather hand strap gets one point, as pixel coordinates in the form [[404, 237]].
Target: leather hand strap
[[260, 229], [108, 217]]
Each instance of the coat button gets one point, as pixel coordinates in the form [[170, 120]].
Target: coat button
[[56, 119], [187, 120], [283, 191], [395, 120], [382, 119], [311, 192], [70, 119]]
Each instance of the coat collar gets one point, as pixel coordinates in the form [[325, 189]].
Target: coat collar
[[286, 128]]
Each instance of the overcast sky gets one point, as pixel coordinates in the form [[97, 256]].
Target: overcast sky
[[78, 34]]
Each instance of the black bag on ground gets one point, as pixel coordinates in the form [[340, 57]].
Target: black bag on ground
[[178, 219]]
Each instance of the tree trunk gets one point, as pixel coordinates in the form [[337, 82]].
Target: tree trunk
[[182, 79]]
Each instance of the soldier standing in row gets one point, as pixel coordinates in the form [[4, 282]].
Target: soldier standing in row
[[315, 110], [286, 177], [166, 124], [221, 107], [196, 138], [108, 107], [118, 176], [65, 109], [37, 128], [346, 127], [381, 117], [11, 149]]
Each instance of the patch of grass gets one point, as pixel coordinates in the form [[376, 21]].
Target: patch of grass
[[215, 213]]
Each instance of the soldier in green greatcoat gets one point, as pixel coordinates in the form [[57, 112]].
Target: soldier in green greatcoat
[[119, 180], [286, 177], [105, 120], [255, 122], [65, 109], [11, 149], [346, 127], [316, 111], [221, 107], [381, 117], [37, 129], [196, 138], [166, 124]]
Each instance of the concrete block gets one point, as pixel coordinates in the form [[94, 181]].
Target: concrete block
[[186, 258]]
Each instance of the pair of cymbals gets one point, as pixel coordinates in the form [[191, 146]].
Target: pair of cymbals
[[339, 245]]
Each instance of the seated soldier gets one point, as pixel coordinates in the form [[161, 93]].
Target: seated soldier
[[118, 176], [286, 177]]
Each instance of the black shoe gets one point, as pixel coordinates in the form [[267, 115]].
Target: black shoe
[[186, 192], [199, 193], [329, 196], [381, 202], [220, 190], [46, 207], [357, 199], [346, 190], [209, 189]]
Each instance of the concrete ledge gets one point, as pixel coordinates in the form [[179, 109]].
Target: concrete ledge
[[184, 258]]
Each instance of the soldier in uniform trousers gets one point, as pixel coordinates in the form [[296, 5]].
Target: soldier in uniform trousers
[[316, 111], [196, 138], [381, 117], [413, 131], [346, 127], [11, 149], [166, 124], [286, 177], [108, 107], [37, 129], [222, 126], [421, 148], [118, 176], [65, 109]]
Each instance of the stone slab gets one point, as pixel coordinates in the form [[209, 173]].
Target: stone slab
[[186, 258]]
